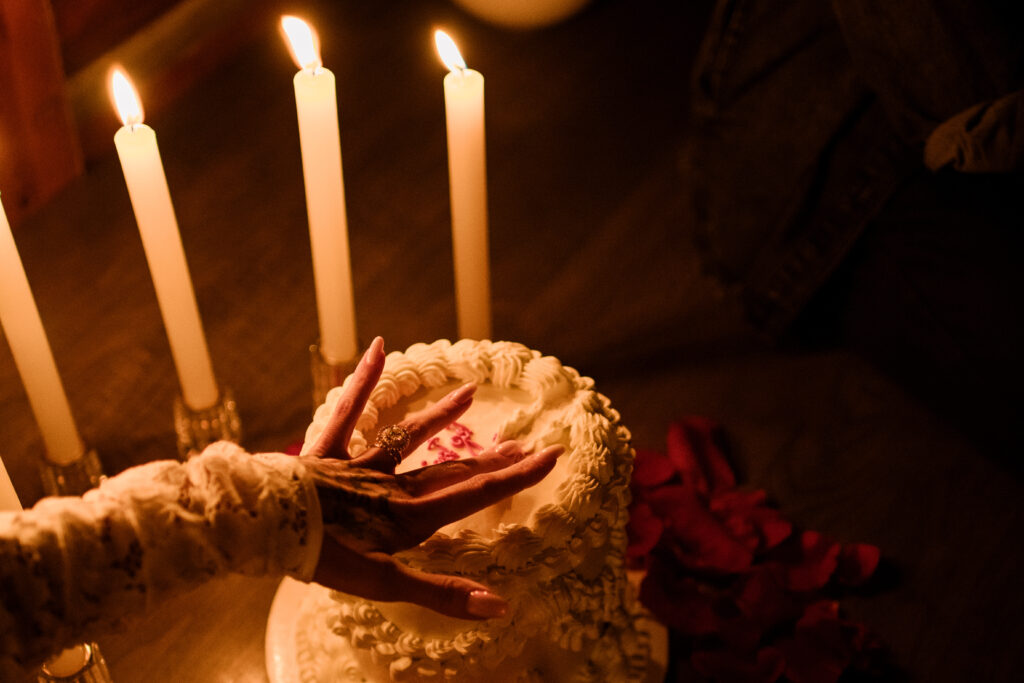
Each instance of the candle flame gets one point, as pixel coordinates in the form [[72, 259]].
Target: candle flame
[[302, 41], [449, 51], [126, 100]]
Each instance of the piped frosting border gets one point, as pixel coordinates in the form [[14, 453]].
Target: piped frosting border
[[586, 516]]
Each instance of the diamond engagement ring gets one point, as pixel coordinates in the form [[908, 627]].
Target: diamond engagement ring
[[393, 440]]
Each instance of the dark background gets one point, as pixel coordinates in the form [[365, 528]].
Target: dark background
[[852, 430]]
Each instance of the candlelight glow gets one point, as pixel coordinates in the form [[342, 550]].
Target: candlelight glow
[[126, 100], [449, 52], [302, 42]]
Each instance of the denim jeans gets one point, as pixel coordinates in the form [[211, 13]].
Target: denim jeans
[[806, 182], [807, 118]]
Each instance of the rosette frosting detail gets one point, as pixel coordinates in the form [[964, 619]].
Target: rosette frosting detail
[[545, 565]]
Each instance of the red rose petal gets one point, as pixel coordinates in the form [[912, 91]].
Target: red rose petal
[[695, 448], [738, 499], [739, 632], [822, 627], [698, 539], [643, 530], [820, 611], [807, 664], [763, 599], [708, 442], [810, 561], [683, 456], [743, 530], [664, 500], [771, 526], [823, 644], [744, 513], [652, 468], [735, 509], [766, 579], [678, 601], [857, 562], [724, 666]]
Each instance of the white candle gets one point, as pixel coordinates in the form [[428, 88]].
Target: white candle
[[317, 108], [467, 185], [9, 500], [151, 201], [23, 328]]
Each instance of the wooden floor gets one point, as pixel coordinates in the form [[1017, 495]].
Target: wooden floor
[[590, 262]]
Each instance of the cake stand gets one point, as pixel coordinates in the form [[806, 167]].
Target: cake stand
[[288, 622]]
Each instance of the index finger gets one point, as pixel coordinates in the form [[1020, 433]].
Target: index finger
[[333, 441], [466, 497]]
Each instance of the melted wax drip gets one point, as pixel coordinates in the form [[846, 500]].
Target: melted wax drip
[[461, 440]]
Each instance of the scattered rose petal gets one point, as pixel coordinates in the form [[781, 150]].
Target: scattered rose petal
[[729, 575], [750, 520], [822, 646], [651, 469], [806, 664], [678, 601], [698, 538], [707, 440], [857, 562], [738, 632], [643, 530], [809, 561], [772, 527], [695, 448], [684, 459], [763, 599], [724, 666]]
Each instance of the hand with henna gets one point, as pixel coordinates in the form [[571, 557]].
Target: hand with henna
[[369, 511]]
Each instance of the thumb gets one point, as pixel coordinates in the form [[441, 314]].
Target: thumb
[[380, 577]]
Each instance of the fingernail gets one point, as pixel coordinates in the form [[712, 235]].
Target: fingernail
[[509, 447], [462, 395], [374, 349], [512, 450], [377, 345], [485, 604], [554, 450]]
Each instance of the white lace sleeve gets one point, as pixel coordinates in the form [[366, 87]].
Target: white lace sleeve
[[72, 568]]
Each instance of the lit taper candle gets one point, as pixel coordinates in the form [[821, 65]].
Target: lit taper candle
[[23, 328], [317, 107], [9, 501], [467, 186], [154, 213]]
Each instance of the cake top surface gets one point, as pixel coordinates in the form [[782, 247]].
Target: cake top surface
[[533, 548], [521, 395]]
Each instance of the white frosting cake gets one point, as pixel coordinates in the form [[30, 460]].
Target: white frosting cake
[[555, 551]]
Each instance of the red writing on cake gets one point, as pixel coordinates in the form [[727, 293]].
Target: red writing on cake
[[460, 444]]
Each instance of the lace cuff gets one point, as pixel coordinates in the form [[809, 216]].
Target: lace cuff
[[72, 568]]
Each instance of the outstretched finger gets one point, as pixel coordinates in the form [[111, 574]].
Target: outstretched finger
[[436, 477], [463, 499], [333, 441], [378, 576], [420, 426]]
